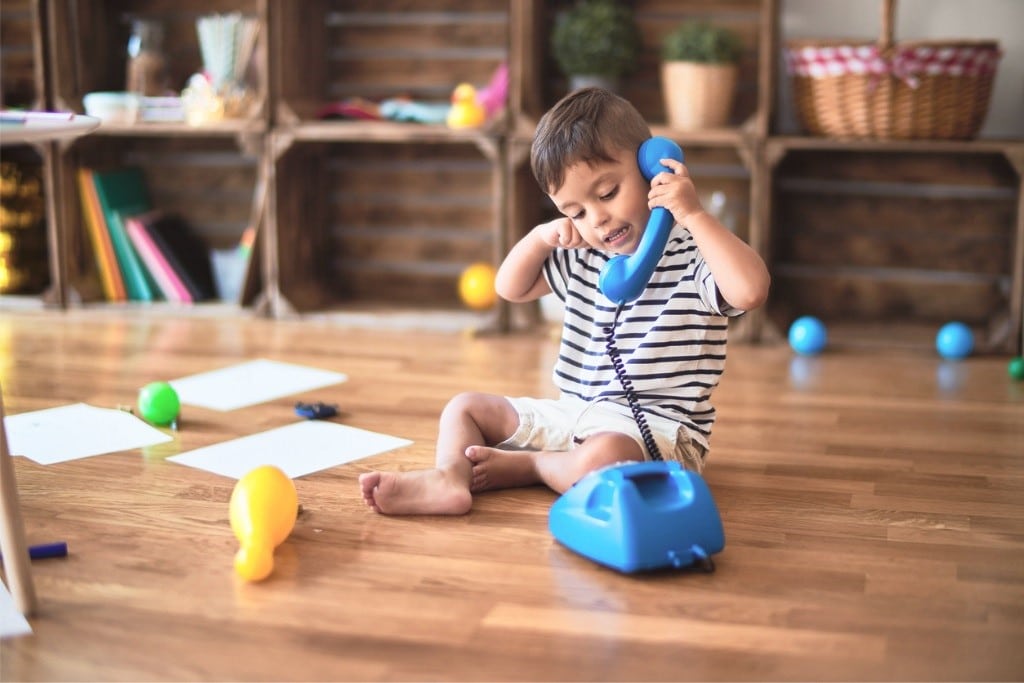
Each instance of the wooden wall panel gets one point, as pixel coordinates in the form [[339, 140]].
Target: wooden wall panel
[[958, 235], [869, 296], [388, 49], [303, 232], [903, 238], [18, 85], [407, 220], [655, 19], [370, 224]]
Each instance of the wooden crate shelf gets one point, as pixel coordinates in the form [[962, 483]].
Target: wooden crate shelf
[[327, 244], [912, 233], [397, 223], [381, 49], [208, 181]]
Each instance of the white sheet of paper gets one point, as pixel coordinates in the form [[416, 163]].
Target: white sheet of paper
[[249, 383], [12, 622], [298, 449], [77, 431]]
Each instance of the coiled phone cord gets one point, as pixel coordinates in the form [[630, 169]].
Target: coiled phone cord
[[627, 387]]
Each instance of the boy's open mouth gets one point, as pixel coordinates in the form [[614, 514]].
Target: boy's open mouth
[[616, 235]]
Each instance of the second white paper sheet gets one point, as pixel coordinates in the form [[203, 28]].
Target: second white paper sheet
[[297, 449], [249, 383]]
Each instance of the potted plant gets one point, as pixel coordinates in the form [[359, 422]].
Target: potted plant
[[596, 42], [700, 67]]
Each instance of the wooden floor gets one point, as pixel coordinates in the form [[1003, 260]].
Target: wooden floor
[[873, 506]]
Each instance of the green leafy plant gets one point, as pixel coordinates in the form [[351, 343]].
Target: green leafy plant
[[596, 37], [699, 41]]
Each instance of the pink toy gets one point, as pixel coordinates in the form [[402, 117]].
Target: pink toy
[[493, 95]]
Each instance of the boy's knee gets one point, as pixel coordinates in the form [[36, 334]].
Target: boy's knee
[[493, 415], [608, 448], [462, 403], [474, 403]]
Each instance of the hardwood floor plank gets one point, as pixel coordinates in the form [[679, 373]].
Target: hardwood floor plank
[[683, 632], [872, 505]]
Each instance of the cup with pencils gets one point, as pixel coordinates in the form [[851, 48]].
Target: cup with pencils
[[226, 43]]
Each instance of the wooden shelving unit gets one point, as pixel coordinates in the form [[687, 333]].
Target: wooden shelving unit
[[933, 232], [24, 85], [380, 215], [383, 216]]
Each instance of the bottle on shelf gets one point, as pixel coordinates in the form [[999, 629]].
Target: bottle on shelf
[[147, 63]]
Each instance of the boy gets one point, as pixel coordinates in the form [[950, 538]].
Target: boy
[[672, 338]]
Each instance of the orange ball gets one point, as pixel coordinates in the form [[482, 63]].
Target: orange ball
[[476, 286]]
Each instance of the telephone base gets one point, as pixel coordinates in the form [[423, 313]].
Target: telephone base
[[640, 516]]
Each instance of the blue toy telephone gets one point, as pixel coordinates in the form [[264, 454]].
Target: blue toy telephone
[[624, 277], [639, 516]]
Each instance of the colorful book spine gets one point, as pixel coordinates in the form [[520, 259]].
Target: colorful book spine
[[106, 261], [171, 286], [123, 191]]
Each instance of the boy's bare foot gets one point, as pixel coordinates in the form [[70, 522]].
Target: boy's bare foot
[[494, 468], [422, 492]]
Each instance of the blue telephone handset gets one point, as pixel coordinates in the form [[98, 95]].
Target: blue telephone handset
[[624, 277]]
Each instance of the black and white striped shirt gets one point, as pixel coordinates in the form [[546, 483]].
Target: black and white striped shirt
[[672, 338]]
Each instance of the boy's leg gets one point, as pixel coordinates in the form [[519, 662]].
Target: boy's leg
[[468, 419], [495, 468]]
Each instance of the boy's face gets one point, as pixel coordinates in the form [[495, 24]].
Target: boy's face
[[607, 202]]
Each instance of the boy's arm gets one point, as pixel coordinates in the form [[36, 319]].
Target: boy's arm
[[521, 275], [740, 272]]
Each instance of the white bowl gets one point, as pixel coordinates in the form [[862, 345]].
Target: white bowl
[[113, 107]]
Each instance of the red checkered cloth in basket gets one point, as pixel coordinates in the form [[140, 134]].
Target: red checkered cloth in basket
[[908, 63]]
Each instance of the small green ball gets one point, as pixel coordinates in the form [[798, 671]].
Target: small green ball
[[1016, 368], [158, 403]]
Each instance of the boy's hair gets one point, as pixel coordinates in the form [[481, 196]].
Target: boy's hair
[[587, 125]]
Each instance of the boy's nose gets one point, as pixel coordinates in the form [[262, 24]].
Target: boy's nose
[[601, 219]]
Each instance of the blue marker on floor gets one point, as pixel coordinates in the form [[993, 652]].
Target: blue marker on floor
[[46, 550]]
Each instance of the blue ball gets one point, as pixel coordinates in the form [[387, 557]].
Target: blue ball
[[954, 341], [807, 335]]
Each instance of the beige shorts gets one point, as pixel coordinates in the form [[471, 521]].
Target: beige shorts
[[547, 424]]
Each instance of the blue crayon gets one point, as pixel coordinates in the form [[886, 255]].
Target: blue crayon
[[45, 550]]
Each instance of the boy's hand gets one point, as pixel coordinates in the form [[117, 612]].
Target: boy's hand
[[674, 191], [560, 233]]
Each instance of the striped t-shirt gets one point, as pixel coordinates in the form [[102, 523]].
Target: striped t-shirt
[[672, 338]]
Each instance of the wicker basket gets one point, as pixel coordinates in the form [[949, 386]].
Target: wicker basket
[[927, 89]]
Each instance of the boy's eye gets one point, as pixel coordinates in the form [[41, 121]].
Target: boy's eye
[[610, 194]]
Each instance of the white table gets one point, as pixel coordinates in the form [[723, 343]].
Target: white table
[[19, 128]]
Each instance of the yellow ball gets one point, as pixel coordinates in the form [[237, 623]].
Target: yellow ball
[[476, 286]]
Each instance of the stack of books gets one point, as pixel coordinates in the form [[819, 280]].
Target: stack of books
[[142, 254]]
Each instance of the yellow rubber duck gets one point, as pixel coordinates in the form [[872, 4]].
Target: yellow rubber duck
[[466, 111]]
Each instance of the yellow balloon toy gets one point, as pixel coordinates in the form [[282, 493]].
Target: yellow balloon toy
[[476, 286], [263, 509]]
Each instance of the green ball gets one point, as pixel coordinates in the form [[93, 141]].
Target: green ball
[[1016, 368], [158, 403]]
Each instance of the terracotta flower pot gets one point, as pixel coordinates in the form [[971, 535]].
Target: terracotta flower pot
[[698, 95]]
